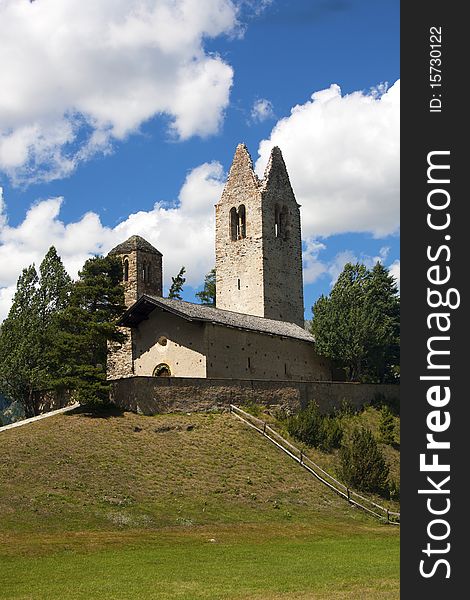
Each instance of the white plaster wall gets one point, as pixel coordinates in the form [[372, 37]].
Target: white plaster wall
[[184, 352]]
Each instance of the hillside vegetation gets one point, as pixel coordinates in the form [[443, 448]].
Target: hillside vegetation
[[176, 506]]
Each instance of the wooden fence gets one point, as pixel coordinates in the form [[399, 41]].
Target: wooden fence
[[393, 518]]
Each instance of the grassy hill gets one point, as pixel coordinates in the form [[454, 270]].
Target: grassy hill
[[101, 505]]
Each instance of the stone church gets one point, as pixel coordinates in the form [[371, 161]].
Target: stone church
[[256, 331]]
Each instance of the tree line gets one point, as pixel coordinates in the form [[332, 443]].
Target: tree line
[[55, 336]]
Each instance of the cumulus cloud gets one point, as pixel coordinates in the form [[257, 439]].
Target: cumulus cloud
[[315, 267], [262, 110], [395, 271], [78, 75], [342, 153], [184, 233]]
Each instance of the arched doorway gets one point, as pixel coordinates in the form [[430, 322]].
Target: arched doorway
[[162, 370]]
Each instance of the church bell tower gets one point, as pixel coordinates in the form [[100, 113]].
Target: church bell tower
[[258, 242], [141, 268]]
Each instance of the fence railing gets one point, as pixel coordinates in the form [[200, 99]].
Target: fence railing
[[299, 456]]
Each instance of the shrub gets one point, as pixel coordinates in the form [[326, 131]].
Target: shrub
[[386, 426], [253, 408], [312, 428], [362, 464], [394, 490]]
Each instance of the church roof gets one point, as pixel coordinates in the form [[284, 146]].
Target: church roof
[[135, 242], [209, 314]]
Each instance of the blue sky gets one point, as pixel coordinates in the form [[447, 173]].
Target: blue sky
[[92, 136]]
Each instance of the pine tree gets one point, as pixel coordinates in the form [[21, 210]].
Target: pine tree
[[358, 326], [22, 368], [382, 303], [55, 284], [386, 426], [84, 327], [207, 296], [177, 285], [362, 464]]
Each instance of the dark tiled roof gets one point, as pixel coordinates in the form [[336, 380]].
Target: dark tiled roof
[[199, 312], [135, 242]]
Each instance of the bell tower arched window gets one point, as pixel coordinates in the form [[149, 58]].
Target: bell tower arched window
[[241, 222], [237, 223], [233, 224], [280, 222], [126, 269]]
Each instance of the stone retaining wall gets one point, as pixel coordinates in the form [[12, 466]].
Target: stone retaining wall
[[152, 395]]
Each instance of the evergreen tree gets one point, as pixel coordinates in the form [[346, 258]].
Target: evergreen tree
[[362, 464], [177, 285], [207, 296], [357, 325], [22, 367], [386, 426], [85, 326], [383, 304], [55, 284]]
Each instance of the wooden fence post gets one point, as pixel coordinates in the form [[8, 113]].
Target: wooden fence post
[[349, 497], [264, 428], [301, 456]]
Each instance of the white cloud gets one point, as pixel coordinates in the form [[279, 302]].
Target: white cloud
[[80, 74], [184, 234], [315, 267], [262, 110], [395, 271], [342, 154]]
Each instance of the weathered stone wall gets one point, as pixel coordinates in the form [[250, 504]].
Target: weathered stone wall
[[153, 395], [282, 273], [260, 274], [239, 263], [250, 355], [144, 275], [119, 360]]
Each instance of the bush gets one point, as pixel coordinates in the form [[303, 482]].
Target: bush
[[253, 408], [386, 426], [312, 428], [394, 490], [362, 464]]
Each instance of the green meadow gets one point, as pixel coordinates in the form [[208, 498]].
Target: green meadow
[[115, 505]]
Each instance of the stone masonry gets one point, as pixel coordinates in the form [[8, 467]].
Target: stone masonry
[[259, 265], [142, 274]]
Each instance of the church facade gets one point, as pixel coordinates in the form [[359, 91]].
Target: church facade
[[256, 330]]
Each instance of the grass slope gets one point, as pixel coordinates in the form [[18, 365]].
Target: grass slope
[[176, 506]]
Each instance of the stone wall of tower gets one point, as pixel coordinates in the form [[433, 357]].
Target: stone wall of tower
[[141, 281], [260, 274], [239, 264], [142, 274], [282, 253]]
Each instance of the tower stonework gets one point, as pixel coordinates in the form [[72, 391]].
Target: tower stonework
[[142, 274], [142, 268], [258, 242]]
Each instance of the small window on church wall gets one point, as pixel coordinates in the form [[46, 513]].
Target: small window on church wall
[[233, 224], [276, 221], [144, 272], [126, 269], [280, 222], [241, 222], [239, 284]]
